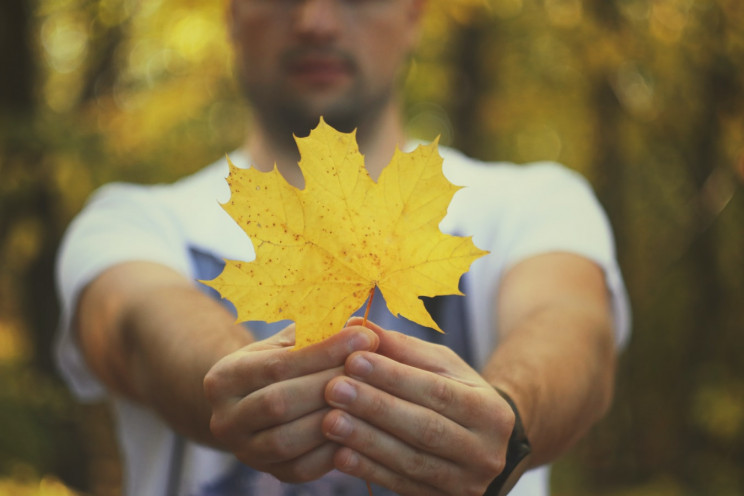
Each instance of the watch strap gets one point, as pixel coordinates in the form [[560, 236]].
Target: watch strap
[[516, 451]]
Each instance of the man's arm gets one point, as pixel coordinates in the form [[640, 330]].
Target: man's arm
[[415, 418], [556, 355], [149, 334]]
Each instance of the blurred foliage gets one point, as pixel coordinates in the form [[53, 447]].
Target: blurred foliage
[[48, 486], [644, 97]]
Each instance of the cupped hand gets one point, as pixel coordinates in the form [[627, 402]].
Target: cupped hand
[[268, 401], [415, 418]]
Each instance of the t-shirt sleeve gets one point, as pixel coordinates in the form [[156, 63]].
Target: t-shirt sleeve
[[120, 223], [516, 212], [559, 212]]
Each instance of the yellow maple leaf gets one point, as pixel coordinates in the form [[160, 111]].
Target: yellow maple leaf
[[322, 249]]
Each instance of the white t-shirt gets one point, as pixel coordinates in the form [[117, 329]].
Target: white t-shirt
[[512, 211]]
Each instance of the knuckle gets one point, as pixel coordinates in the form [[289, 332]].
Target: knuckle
[[279, 445], [400, 484], [474, 490], [493, 464], [431, 432], [444, 351], [438, 475], [219, 427], [418, 465], [473, 401], [335, 355], [345, 461], [504, 422], [273, 402], [447, 350], [210, 386], [394, 376], [277, 368], [213, 385], [378, 405], [441, 395]]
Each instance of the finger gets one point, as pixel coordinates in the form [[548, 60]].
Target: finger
[[251, 368], [417, 426], [272, 406], [285, 401], [287, 441], [332, 352], [452, 398], [307, 467], [416, 352], [377, 457], [282, 339]]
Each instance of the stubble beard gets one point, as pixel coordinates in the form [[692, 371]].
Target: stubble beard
[[283, 114]]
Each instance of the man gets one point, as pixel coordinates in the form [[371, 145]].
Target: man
[[206, 407]]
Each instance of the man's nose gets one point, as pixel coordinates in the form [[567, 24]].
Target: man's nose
[[318, 20]]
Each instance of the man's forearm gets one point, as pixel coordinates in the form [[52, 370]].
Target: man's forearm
[[151, 336], [558, 366], [172, 338]]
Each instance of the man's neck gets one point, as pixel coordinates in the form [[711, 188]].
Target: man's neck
[[377, 143]]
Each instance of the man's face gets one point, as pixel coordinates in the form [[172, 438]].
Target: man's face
[[300, 59]]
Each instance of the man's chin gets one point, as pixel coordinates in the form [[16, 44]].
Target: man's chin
[[343, 122], [286, 112], [341, 114]]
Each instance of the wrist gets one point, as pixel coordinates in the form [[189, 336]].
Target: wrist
[[517, 452]]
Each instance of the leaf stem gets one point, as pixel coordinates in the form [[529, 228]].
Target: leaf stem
[[369, 305]]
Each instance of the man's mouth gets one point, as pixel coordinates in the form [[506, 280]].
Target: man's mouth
[[319, 69]]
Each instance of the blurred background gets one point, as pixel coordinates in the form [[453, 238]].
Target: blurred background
[[643, 97]]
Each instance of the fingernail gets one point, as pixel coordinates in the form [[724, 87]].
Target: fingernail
[[359, 341], [342, 393], [350, 461], [359, 366], [341, 427]]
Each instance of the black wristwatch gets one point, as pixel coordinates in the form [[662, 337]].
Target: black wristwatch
[[517, 449]]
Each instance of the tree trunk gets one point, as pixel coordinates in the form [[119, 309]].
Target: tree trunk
[[470, 84]]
